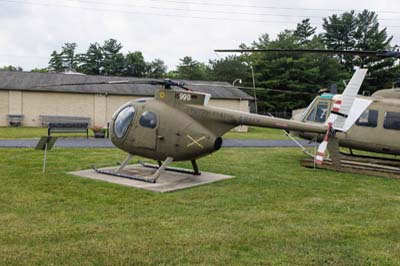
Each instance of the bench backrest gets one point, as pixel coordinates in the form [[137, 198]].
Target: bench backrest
[[15, 118], [69, 125], [47, 119]]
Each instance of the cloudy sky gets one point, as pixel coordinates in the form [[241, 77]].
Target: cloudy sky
[[166, 29]]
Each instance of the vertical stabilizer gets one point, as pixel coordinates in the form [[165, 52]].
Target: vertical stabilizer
[[341, 107]]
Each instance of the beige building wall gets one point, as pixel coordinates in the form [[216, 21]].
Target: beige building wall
[[114, 102], [35, 104], [15, 102], [4, 107], [100, 108], [239, 105]]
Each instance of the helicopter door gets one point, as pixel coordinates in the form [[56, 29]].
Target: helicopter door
[[147, 130]]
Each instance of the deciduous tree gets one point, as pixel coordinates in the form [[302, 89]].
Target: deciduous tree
[[156, 69], [135, 65]]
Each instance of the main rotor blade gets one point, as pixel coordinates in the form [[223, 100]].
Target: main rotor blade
[[167, 83], [384, 54], [149, 82]]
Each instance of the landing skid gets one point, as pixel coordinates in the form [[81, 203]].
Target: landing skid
[[355, 166], [161, 167], [133, 177], [371, 159], [359, 164]]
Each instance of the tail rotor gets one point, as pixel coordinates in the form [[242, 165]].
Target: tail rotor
[[346, 109]]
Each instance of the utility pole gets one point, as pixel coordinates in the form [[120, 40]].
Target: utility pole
[[254, 88]]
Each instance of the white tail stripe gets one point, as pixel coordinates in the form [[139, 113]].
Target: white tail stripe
[[337, 106]]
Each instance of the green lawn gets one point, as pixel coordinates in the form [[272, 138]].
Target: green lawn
[[34, 132], [258, 133], [273, 212]]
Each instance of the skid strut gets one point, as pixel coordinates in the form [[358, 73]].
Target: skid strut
[[175, 169]]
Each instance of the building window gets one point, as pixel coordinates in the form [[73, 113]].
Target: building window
[[318, 113], [392, 120], [369, 118], [123, 120], [148, 119]]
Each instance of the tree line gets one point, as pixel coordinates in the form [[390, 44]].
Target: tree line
[[274, 73]]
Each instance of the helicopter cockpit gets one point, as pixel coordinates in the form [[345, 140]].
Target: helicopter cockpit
[[318, 111], [123, 119]]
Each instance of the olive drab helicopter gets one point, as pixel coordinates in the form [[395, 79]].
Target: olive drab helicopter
[[179, 125]]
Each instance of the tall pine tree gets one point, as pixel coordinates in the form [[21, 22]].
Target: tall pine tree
[[56, 63], [69, 59], [92, 62], [304, 31], [361, 31], [113, 58]]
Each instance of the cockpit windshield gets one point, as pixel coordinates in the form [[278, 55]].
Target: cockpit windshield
[[319, 112], [123, 120]]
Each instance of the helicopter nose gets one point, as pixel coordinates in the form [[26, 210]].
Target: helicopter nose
[[122, 120]]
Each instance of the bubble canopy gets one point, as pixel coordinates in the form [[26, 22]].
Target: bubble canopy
[[123, 120]]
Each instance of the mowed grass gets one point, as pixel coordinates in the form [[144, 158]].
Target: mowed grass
[[33, 132], [273, 213], [258, 133], [36, 132]]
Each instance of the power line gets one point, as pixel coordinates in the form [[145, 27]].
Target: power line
[[267, 7], [142, 13], [191, 9], [205, 11], [16, 55], [158, 14]]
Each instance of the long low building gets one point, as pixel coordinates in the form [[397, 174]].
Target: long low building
[[33, 97]]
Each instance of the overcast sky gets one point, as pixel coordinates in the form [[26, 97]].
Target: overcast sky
[[166, 29]]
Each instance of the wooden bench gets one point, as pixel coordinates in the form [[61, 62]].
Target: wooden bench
[[68, 127]]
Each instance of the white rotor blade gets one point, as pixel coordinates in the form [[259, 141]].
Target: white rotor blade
[[359, 106], [342, 109], [320, 156]]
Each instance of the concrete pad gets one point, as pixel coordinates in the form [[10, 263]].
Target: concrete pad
[[167, 182]]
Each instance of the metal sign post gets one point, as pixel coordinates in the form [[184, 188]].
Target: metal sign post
[[45, 143]]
